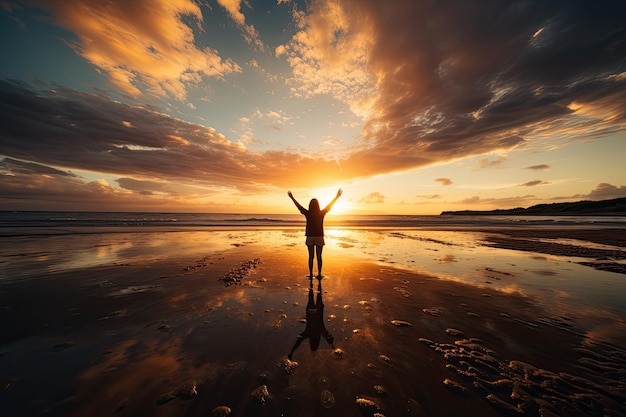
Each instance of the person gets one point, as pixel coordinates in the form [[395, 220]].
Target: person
[[315, 327], [315, 229]]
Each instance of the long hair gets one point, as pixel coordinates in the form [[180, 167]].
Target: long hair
[[314, 205]]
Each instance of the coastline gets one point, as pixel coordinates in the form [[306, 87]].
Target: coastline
[[144, 324]]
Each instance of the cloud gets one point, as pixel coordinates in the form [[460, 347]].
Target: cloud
[[533, 183], [538, 167], [249, 33], [329, 53], [143, 46], [373, 198], [443, 181], [429, 196], [10, 166], [605, 191], [437, 81], [74, 130], [486, 163]]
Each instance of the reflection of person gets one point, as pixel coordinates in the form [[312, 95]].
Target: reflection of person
[[315, 328], [315, 229]]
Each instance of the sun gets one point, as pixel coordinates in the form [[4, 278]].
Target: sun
[[326, 195]]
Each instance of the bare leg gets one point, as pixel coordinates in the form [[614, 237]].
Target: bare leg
[[318, 252], [311, 253]]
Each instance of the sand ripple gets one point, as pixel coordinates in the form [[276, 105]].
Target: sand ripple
[[517, 387]]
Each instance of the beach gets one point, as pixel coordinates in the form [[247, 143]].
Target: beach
[[440, 321]]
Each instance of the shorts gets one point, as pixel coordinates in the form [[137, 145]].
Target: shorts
[[315, 241]]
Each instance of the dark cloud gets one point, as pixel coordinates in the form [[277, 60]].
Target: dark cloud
[[71, 129], [13, 166], [465, 78], [444, 181], [373, 198], [538, 167], [605, 191], [534, 182]]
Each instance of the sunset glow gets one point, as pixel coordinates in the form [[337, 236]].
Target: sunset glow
[[411, 107]]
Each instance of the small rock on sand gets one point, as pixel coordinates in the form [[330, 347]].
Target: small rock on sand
[[454, 332], [261, 394], [221, 411]]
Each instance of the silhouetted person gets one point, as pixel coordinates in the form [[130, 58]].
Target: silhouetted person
[[315, 229], [315, 328]]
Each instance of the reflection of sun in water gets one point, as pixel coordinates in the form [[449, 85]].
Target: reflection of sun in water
[[326, 195]]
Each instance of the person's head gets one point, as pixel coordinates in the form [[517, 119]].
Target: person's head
[[314, 205]]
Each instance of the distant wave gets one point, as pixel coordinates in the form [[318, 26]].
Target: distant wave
[[142, 220], [258, 220]]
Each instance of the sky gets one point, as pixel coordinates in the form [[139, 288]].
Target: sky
[[409, 106]]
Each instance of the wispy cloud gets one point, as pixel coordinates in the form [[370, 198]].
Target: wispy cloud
[[487, 163], [249, 32], [539, 167], [373, 198], [10, 166], [534, 183], [444, 181]]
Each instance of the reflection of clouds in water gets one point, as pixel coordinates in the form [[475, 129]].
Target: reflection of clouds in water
[[468, 261]]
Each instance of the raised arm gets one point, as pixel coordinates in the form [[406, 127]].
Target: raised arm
[[295, 201], [330, 205]]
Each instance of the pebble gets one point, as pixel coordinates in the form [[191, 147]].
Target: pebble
[[328, 399], [287, 366], [367, 407], [221, 411], [187, 392], [235, 276], [432, 311], [386, 359], [261, 394], [454, 332], [401, 323], [381, 391]]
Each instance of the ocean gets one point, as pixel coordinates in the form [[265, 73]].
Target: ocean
[[12, 222]]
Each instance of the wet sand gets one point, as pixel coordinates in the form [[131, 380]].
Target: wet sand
[[199, 323]]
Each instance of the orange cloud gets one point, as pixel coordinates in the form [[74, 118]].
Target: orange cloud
[[142, 45], [250, 34], [438, 82]]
